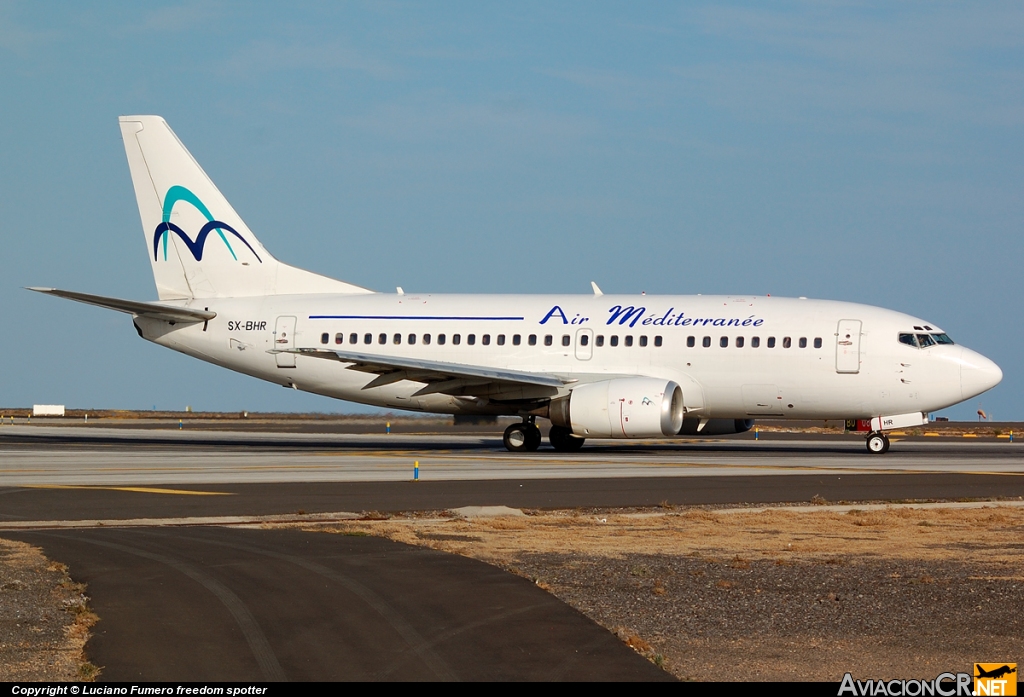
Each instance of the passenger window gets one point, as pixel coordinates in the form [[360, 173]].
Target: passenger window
[[755, 341], [485, 340], [803, 342], [516, 339], [643, 340], [441, 339], [456, 339], [925, 340], [566, 339], [706, 342], [613, 340], [599, 340], [426, 338], [817, 342], [739, 342], [471, 339], [501, 339], [353, 338], [548, 340], [691, 341], [382, 338], [787, 342], [398, 339], [532, 340], [367, 338], [412, 338], [771, 342], [723, 342], [324, 338], [657, 341], [628, 340], [584, 340], [339, 338]]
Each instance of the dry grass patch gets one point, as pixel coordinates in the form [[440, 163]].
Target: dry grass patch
[[44, 618], [990, 534]]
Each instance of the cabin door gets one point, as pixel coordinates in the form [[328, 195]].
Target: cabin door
[[284, 339], [848, 346]]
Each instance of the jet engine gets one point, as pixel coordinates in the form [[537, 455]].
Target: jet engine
[[621, 408]]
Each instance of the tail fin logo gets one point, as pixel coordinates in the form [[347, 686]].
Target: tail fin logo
[[165, 228]]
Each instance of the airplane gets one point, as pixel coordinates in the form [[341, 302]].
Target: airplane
[[595, 365]]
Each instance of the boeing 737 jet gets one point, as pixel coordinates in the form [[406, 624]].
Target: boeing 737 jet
[[596, 366]]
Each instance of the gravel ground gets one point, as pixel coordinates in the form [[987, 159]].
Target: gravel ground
[[44, 618], [769, 595], [706, 619]]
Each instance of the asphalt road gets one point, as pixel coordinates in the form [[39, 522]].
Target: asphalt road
[[211, 604]]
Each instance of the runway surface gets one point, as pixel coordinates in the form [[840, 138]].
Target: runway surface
[[61, 473], [215, 604], [79, 456]]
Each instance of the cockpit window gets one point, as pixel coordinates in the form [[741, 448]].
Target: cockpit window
[[924, 340]]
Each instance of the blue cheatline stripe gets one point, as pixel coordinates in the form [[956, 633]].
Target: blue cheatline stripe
[[480, 319]]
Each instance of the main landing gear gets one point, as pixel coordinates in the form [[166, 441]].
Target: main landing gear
[[878, 443], [524, 437], [563, 440]]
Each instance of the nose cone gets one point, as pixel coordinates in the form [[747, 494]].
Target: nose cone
[[977, 374]]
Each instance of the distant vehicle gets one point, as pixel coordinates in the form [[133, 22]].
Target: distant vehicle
[[597, 366]]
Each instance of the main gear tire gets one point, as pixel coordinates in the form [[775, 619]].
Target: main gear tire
[[562, 440], [516, 438]]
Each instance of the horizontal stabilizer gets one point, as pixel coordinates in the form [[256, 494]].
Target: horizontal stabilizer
[[167, 313], [439, 376]]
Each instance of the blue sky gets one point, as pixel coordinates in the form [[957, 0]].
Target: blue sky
[[863, 152]]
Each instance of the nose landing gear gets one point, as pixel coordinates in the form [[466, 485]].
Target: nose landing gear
[[878, 443], [524, 437]]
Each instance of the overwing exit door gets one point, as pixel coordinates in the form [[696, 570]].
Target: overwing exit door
[[584, 344], [848, 346], [284, 338]]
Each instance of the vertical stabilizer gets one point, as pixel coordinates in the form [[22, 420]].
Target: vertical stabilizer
[[197, 243]]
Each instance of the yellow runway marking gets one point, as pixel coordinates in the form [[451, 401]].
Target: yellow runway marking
[[137, 489]]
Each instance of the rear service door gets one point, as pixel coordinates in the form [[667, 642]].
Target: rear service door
[[848, 346], [284, 339]]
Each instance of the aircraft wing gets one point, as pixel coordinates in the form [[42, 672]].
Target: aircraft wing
[[168, 313], [440, 377]]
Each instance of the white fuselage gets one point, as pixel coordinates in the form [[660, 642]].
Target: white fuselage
[[765, 357]]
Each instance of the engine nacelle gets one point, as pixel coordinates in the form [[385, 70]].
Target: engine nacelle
[[621, 408], [716, 427]]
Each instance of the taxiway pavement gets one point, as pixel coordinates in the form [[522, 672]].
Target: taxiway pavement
[[221, 604]]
